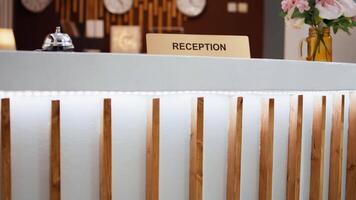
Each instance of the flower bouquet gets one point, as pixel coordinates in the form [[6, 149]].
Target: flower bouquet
[[321, 15]]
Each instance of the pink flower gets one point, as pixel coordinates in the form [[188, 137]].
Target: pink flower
[[329, 9], [297, 22], [302, 5], [287, 5]]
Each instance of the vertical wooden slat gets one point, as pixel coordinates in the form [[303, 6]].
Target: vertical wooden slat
[[179, 19], [294, 147], [131, 17], [136, 3], [101, 8], [105, 154], [5, 150], [196, 151], [141, 17], [57, 5], [152, 151], [169, 16], [335, 170], [81, 11], [55, 166], [155, 7], [160, 20], [351, 151], [75, 6], [317, 151], [68, 9], [63, 11], [174, 8], [266, 149], [234, 150], [150, 17], [145, 4]]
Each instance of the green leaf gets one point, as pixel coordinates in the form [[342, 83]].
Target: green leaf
[[283, 14], [297, 14], [335, 29]]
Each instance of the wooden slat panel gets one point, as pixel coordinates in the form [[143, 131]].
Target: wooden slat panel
[[68, 9], [317, 151], [81, 11], [234, 150], [55, 178], [131, 17], [351, 152], [57, 5], [174, 8], [152, 152], [169, 17], [105, 154], [5, 150], [294, 147], [160, 20], [335, 170], [141, 17], [150, 17], [266, 149], [196, 151]]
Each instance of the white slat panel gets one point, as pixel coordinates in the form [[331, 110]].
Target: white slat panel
[[174, 146], [129, 146], [216, 114], [30, 133], [81, 118], [250, 147], [280, 146]]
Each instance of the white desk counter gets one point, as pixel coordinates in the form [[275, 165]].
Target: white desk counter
[[120, 72]]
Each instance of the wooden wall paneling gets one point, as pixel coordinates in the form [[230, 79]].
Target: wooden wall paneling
[[81, 11], [174, 8], [317, 151], [351, 151], [75, 6], [101, 8], [68, 9], [55, 153], [266, 149], [234, 150], [196, 151], [112, 18], [160, 20], [5, 150], [336, 144], [126, 18], [141, 17], [164, 5], [179, 19], [155, 7], [63, 10], [294, 147], [145, 4], [107, 23], [150, 17], [57, 5], [136, 3], [152, 151], [106, 154], [169, 16], [119, 20], [131, 17]]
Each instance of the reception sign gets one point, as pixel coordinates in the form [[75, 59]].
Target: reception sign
[[198, 45]]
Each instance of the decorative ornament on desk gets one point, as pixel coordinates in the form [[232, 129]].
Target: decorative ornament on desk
[[320, 15], [118, 6], [58, 42]]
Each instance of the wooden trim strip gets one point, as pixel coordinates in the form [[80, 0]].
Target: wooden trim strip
[[169, 17], [152, 151], [160, 20], [174, 8], [150, 17], [266, 149], [351, 151], [81, 11], [55, 166], [5, 150], [196, 151], [105, 154], [335, 170], [141, 17], [234, 150], [317, 151], [294, 147]]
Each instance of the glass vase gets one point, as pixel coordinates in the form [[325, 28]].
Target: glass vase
[[319, 45]]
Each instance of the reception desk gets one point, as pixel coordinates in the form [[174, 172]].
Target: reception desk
[[281, 128]]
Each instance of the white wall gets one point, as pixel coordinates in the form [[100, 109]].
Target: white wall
[[344, 46]]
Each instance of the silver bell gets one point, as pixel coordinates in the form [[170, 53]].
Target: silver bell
[[58, 42]]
